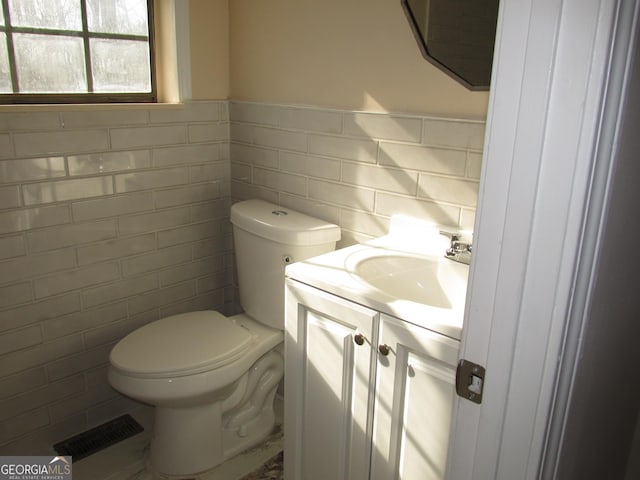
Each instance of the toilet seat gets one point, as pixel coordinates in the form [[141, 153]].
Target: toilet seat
[[183, 344]]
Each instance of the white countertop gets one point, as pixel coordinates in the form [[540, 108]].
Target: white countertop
[[335, 272]]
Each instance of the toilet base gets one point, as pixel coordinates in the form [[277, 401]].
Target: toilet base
[[190, 440]]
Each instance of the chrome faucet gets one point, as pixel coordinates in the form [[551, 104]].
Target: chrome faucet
[[458, 251]]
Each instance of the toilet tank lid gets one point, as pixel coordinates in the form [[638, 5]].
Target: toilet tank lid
[[281, 224]]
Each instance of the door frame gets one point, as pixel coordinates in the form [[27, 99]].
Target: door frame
[[545, 130]]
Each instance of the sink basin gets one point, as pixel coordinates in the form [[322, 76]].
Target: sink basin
[[433, 281]]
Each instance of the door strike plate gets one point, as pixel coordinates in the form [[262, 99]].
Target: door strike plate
[[470, 380]]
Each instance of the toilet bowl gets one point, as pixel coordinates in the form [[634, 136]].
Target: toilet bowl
[[211, 378]]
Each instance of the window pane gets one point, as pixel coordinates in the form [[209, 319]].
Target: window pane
[[5, 75], [1, 14], [118, 16], [50, 64], [58, 14], [120, 66]]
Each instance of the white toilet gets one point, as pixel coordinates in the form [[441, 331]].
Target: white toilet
[[213, 378]]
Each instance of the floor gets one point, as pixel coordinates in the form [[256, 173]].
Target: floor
[[125, 460]]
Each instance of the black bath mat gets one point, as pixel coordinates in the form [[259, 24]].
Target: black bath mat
[[98, 438]]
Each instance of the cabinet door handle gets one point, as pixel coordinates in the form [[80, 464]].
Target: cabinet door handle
[[358, 338], [384, 349]]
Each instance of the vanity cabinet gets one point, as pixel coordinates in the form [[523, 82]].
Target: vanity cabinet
[[367, 395]]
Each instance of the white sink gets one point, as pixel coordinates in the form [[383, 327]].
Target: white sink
[[428, 280]]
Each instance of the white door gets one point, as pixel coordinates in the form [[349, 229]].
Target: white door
[[330, 348], [415, 391], [554, 71]]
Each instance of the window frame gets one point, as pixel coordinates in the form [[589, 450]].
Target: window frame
[[79, 98]]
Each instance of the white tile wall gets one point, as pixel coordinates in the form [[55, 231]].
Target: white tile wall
[[357, 168], [112, 219], [108, 219]]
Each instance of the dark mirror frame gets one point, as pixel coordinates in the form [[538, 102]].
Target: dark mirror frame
[[424, 49]]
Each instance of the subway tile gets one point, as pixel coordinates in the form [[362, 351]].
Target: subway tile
[[282, 139], [213, 246], [453, 133], [66, 367], [77, 322], [79, 278], [10, 196], [162, 297], [136, 137], [342, 147], [108, 162], [40, 311], [31, 169], [187, 195], [112, 206], [119, 290], [209, 132], [254, 113], [42, 396], [448, 190], [71, 234], [22, 382], [383, 126], [311, 120], [41, 355], [387, 205], [192, 270], [164, 157], [23, 268], [63, 190], [187, 112], [26, 219], [284, 182], [103, 118], [15, 294], [22, 424], [19, 339], [312, 166], [115, 331], [467, 219], [210, 210], [365, 223], [115, 249], [156, 260], [243, 191], [345, 195], [6, 146], [190, 233], [98, 391], [474, 165], [214, 281], [241, 172], [239, 133], [51, 143], [150, 222], [128, 182], [29, 121], [380, 178], [209, 301], [254, 155], [210, 172], [421, 158], [13, 246]]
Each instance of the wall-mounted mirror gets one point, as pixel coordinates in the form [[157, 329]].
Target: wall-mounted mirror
[[457, 36]]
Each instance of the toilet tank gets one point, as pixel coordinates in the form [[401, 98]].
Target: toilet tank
[[267, 238]]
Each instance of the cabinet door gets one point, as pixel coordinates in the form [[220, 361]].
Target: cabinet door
[[328, 399], [415, 391]]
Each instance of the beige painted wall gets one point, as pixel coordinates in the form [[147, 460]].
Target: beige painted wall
[[209, 40], [338, 53]]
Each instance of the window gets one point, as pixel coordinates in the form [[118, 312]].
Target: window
[[76, 51]]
